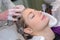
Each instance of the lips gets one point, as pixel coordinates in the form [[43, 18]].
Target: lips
[[42, 16]]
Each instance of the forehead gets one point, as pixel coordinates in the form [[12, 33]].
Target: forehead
[[27, 11]]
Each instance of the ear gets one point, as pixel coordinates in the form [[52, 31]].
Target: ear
[[28, 30]]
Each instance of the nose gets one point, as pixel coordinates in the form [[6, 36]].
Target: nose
[[39, 13]]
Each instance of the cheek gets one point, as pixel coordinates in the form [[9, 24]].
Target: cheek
[[45, 22], [36, 23], [33, 24]]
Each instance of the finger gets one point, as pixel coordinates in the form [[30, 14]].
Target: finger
[[17, 14], [21, 7], [14, 10], [14, 19], [18, 10]]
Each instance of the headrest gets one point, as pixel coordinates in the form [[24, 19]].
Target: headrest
[[53, 20]]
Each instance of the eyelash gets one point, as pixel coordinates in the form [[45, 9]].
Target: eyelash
[[33, 16]]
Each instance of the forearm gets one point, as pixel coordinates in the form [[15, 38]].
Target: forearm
[[3, 16]]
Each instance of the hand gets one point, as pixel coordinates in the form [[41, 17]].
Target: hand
[[16, 11]]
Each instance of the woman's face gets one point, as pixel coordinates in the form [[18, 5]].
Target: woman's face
[[35, 19]]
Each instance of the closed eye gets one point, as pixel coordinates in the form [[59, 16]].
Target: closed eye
[[31, 15]]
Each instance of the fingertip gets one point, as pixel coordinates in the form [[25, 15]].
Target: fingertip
[[15, 19]]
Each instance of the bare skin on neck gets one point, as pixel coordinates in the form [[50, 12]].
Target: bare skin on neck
[[47, 33]]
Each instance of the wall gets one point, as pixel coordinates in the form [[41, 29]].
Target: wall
[[36, 4]]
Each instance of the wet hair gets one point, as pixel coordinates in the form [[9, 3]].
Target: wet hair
[[20, 28]]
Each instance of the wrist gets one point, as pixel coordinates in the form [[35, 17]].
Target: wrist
[[9, 15], [4, 15]]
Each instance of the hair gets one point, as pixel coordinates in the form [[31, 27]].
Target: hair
[[20, 28]]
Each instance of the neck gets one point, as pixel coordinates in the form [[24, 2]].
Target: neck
[[47, 33]]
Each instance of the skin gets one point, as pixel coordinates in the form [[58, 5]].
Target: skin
[[4, 14], [37, 24]]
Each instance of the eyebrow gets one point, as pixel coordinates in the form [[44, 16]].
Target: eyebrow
[[30, 12]]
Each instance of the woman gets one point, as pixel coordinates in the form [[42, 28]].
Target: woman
[[38, 25]]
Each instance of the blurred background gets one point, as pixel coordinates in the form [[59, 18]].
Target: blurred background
[[43, 5], [36, 4]]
